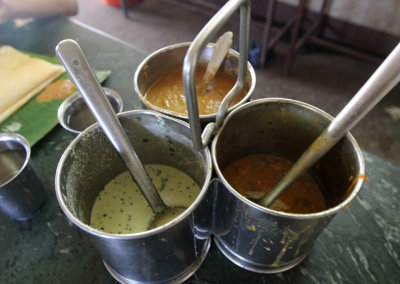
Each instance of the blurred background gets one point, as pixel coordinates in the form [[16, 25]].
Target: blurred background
[[320, 52]]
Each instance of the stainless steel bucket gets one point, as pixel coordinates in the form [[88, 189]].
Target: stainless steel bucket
[[258, 238], [168, 254], [161, 60]]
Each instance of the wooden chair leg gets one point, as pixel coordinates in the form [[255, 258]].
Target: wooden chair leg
[[295, 34], [267, 31], [124, 8]]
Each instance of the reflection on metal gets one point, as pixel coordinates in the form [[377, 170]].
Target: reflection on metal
[[264, 240]]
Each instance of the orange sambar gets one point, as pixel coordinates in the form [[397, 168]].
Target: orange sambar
[[167, 91]]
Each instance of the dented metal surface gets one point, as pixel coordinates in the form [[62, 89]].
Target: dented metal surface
[[258, 238]]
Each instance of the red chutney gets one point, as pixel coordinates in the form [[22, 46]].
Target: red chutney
[[254, 175], [167, 91]]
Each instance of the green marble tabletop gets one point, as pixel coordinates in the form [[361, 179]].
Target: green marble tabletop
[[360, 245]]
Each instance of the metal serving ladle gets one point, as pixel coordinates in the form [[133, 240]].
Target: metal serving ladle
[[82, 75], [377, 86]]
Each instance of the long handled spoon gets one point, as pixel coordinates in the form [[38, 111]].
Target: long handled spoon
[[377, 86], [82, 75], [221, 48]]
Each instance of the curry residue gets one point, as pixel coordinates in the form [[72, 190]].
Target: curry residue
[[57, 90], [167, 91], [254, 175]]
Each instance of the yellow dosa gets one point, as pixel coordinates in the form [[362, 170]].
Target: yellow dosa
[[21, 78]]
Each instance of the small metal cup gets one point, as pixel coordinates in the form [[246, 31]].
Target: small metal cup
[[75, 116], [22, 193], [261, 239]]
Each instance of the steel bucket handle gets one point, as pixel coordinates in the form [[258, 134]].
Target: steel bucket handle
[[200, 141]]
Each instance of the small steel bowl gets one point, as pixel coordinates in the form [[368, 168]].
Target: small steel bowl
[[22, 192], [155, 65], [75, 116]]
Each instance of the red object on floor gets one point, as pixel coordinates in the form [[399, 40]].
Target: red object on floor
[[117, 3]]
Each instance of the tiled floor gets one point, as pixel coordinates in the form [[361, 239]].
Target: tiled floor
[[324, 79]]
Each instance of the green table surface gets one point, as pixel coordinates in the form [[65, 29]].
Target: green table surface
[[360, 245]]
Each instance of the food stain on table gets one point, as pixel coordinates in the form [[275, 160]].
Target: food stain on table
[[167, 91], [120, 208], [57, 90], [254, 175]]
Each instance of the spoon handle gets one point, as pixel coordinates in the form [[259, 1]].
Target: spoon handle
[[377, 86], [82, 75], [221, 48]]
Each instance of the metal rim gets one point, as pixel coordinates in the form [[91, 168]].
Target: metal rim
[[330, 211], [149, 105], [148, 233], [21, 141]]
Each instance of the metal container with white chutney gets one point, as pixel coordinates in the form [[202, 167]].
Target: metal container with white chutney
[[168, 254]]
